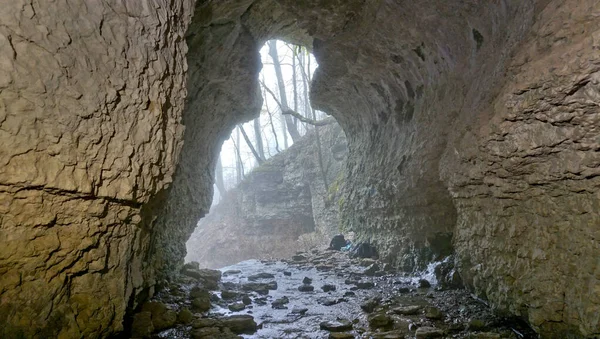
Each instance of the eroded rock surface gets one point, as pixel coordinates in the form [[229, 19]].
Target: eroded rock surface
[[91, 100]]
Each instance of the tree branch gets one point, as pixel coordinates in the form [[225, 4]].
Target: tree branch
[[288, 111], [300, 117], [249, 143]]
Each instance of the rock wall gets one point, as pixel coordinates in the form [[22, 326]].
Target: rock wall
[[277, 203], [472, 126], [525, 179], [91, 98]]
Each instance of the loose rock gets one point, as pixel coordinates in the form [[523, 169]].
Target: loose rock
[[236, 307], [379, 320], [261, 276], [280, 303], [337, 242], [407, 310], [433, 313], [162, 317], [370, 304], [336, 326], [424, 283], [327, 288], [185, 316], [240, 324], [428, 332], [306, 288]]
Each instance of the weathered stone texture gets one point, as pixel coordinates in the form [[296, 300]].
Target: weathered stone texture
[[280, 200], [91, 96], [525, 180], [471, 120]]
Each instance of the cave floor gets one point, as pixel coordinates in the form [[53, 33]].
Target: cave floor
[[341, 298]]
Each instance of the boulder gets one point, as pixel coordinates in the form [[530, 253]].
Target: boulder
[[142, 326], [162, 316], [337, 242], [364, 250], [240, 324], [379, 320]]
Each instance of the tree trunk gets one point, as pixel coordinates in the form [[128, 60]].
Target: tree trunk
[[239, 165], [258, 138], [262, 83], [295, 85], [282, 95], [259, 160], [219, 182], [306, 76]]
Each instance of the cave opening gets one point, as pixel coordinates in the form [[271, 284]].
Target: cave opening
[[278, 177], [472, 130]]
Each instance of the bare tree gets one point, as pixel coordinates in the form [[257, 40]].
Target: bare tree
[[297, 115], [266, 103], [306, 71], [259, 160], [258, 139], [239, 164], [219, 182], [291, 127]]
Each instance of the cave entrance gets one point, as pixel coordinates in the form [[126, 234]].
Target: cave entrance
[[277, 175]]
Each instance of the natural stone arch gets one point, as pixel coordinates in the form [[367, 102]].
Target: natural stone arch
[[463, 118]]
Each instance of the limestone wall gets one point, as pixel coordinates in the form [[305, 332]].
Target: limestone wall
[[91, 98]]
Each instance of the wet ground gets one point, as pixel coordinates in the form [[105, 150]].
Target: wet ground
[[323, 294]]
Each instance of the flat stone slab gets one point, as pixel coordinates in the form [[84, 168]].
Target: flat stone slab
[[336, 326], [407, 310]]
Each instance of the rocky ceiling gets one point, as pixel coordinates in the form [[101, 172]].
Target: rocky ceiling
[[473, 128]]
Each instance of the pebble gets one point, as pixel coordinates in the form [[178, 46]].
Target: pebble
[[327, 301], [424, 283], [365, 285], [280, 303], [299, 310], [299, 257], [232, 272], [328, 288], [259, 276], [306, 288], [236, 307]]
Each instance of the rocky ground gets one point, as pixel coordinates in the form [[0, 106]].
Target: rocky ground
[[321, 294]]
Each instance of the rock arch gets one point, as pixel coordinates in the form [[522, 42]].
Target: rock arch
[[472, 128]]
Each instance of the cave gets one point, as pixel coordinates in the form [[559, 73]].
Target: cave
[[472, 129]]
